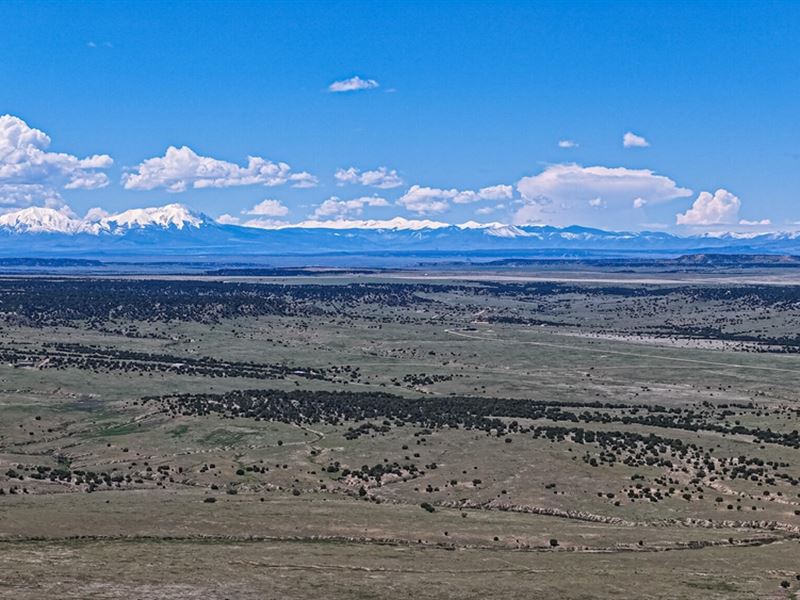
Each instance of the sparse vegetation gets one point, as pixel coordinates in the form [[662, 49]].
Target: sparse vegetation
[[564, 423]]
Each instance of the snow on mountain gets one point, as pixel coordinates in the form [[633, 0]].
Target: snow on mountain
[[397, 223], [170, 215], [477, 225], [507, 231], [36, 219], [401, 224], [176, 230], [48, 220]]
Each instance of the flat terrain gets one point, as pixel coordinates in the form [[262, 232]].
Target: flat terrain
[[494, 435]]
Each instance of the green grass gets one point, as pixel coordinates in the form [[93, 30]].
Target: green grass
[[178, 431], [223, 437]]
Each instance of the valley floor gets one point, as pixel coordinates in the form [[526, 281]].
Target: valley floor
[[372, 438]]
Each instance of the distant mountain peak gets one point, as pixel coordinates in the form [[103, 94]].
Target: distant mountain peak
[[167, 216], [174, 229], [37, 219], [397, 223], [40, 219]]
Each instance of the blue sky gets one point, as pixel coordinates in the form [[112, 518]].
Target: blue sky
[[460, 98]]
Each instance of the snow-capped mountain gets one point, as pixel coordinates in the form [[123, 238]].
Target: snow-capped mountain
[[37, 219], [49, 220], [397, 223], [174, 230], [171, 215]]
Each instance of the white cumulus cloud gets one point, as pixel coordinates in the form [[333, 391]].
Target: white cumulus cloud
[[261, 222], [631, 140], [426, 200], [639, 202], [562, 194], [14, 196], [721, 208], [381, 177], [303, 179], [96, 214], [268, 208], [336, 207], [567, 144], [353, 84], [597, 203], [182, 168], [227, 219], [494, 192], [26, 161], [487, 210]]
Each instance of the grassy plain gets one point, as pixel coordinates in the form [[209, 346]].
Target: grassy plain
[[225, 505]]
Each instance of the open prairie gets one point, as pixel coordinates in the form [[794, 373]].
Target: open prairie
[[382, 436]]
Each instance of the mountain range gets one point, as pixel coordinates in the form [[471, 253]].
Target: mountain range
[[176, 231]]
